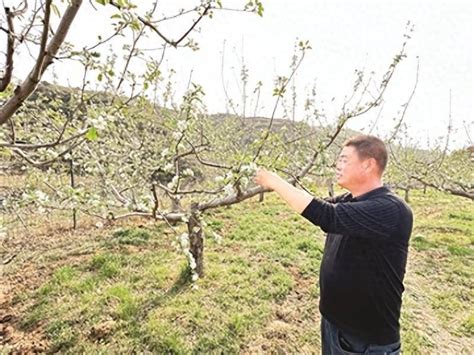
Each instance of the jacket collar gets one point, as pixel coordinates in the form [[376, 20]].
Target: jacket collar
[[382, 190]]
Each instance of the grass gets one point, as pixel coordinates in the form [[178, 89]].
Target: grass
[[131, 292]]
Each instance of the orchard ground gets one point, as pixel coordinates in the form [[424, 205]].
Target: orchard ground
[[124, 288]]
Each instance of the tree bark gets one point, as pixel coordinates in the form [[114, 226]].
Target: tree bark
[[196, 240]]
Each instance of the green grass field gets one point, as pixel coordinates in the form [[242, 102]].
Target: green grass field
[[124, 288]]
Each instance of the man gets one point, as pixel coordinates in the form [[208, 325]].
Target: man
[[361, 276]]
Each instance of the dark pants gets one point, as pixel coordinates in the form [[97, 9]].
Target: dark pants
[[335, 342]]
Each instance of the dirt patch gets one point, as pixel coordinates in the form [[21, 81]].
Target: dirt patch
[[102, 330], [36, 258], [285, 329]]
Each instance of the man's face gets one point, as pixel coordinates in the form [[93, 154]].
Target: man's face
[[350, 169]]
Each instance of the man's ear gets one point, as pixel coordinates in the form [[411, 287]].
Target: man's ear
[[370, 165], [375, 167]]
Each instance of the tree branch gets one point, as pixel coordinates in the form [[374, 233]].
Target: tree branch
[[23, 91]]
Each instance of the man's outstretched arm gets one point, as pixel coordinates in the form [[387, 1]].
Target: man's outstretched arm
[[296, 198]]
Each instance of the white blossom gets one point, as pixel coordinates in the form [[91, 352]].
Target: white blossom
[[195, 277], [184, 241], [219, 179], [165, 152], [188, 172], [41, 196], [249, 169], [169, 167], [142, 206], [176, 135], [217, 238], [229, 189], [182, 125], [99, 123], [192, 262], [173, 183]]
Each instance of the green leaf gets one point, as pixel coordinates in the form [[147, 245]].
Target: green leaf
[[260, 9], [55, 10], [92, 134], [135, 25], [102, 2]]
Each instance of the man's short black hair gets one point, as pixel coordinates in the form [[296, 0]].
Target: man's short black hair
[[369, 147]]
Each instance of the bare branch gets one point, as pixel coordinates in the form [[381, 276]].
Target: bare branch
[[40, 164], [43, 145], [158, 32], [399, 123]]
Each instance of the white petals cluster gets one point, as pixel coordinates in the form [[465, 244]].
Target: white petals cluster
[[217, 238], [182, 125], [173, 183], [99, 123], [225, 178], [165, 152], [169, 167], [184, 244], [229, 189], [41, 197], [249, 169], [188, 172], [184, 241]]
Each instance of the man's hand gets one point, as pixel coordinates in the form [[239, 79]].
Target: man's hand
[[296, 198], [265, 178]]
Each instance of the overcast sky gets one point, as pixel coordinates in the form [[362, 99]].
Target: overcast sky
[[344, 35]]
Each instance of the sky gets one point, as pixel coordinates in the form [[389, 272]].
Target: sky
[[344, 36]]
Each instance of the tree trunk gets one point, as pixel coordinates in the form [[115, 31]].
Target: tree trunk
[[196, 240], [175, 204], [73, 186], [262, 195], [407, 197], [330, 188]]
